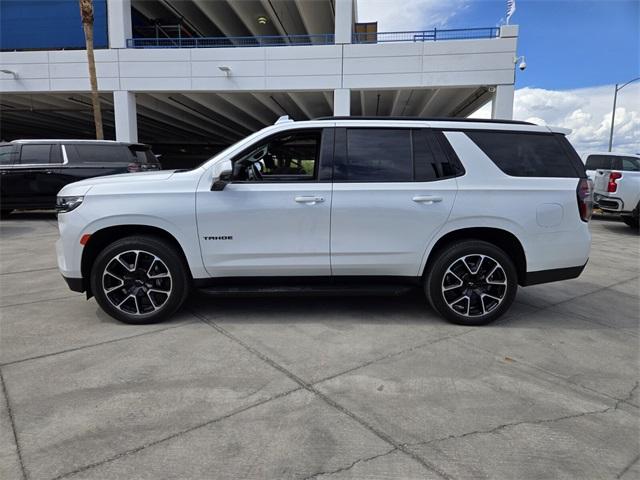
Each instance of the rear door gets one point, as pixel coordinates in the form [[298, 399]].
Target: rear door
[[393, 190]]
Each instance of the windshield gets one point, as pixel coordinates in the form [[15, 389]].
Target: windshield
[[6, 154]]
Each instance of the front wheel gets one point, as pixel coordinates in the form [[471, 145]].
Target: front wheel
[[471, 282], [139, 280]]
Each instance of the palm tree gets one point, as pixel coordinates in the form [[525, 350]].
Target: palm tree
[[86, 11]]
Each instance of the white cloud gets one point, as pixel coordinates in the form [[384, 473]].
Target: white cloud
[[404, 15], [586, 111]]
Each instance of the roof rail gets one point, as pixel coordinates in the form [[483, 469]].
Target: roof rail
[[428, 119]]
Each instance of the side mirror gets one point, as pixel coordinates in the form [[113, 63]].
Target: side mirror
[[225, 177]]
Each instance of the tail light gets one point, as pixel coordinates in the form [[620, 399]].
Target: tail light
[[585, 199], [133, 167], [612, 186]]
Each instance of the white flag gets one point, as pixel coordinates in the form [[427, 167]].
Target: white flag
[[511, 9]]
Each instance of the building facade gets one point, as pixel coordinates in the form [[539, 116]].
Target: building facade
[[202, 71]]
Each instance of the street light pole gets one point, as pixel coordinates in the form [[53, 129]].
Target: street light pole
[[613, 116], [613, 113]]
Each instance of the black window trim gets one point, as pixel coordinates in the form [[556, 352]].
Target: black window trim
[[322, 172], [340, 151]]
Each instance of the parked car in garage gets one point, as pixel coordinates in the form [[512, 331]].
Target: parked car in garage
[[618, 191], [467, 210], [32, 172]]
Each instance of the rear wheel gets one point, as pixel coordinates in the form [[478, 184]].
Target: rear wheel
[[4, 213], [139, 280], [471, 282]]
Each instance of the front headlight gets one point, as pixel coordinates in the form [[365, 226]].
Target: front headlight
[[66, 204]]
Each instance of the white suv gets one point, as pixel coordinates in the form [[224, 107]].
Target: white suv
[[466, 209]]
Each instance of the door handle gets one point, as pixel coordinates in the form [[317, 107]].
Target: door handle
[[49, 172], [428, 199], [309, 200]]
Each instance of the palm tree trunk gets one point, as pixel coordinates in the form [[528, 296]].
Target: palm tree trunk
[[86, 11]]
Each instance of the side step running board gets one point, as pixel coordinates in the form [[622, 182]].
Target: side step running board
[[307, 290]]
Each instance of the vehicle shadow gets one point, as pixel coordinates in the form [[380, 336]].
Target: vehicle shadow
[[411, 307], [408, 309], [620, 229]]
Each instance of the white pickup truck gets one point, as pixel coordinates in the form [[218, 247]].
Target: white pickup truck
[[618, 190]]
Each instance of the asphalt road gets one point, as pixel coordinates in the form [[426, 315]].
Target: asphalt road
[[330, 388]]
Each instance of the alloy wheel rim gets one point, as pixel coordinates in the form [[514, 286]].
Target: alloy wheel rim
[[137, 282], [474, 285]]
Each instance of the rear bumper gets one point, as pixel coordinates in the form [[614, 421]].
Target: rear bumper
[[554, 275], [75, 284], [609, 204]]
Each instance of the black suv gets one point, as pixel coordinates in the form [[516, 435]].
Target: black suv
[[32, 172]]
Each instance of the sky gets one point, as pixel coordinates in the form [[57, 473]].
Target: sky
[[576, 51]]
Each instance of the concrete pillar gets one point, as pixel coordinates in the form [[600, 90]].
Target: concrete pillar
[[342, 102], [119, 22], [344, 21], [124, 111], [502, 104]]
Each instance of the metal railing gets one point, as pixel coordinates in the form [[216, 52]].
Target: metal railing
[[316, 39], [220, 42], [427, 35]]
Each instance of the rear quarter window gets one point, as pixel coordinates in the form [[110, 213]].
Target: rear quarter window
[[529, 154], [87, 153]]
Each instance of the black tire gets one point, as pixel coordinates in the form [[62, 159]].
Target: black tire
[[501, 283], [4, 213], [148, 298], [632, 222]]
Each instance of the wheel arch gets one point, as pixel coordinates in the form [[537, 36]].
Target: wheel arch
[[499, 237], [107, 235]]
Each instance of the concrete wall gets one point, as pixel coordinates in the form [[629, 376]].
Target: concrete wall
[[422, 64]]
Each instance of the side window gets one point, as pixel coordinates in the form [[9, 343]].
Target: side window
[[526, 154], [288, 157], [434, 158], [35, 154], [88, 153], [630, 164], [595, 162], [7, 154], [377, 155]]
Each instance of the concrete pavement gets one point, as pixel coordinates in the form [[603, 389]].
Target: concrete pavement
[[329, 388]]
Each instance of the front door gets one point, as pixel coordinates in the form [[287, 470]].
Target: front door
[[393, 190], [273, 218]]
